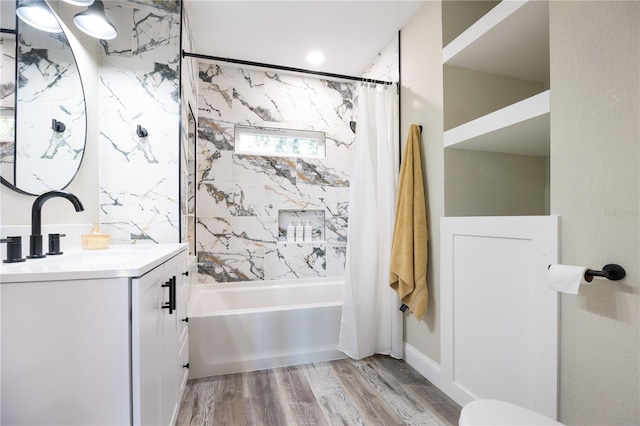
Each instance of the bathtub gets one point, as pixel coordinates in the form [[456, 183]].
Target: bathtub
[[248, 326]]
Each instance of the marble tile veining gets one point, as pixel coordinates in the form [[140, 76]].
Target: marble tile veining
[[155, 36], [318, 172], [139, 85], [217, 133], [254, 168], [224, 200], [245, 265], [247, 192], [295, 261]]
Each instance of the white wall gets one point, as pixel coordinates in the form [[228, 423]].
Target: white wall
[[461, 14], [421, 103], [595, 185], [471, 94], [486, 183], [481, 183]]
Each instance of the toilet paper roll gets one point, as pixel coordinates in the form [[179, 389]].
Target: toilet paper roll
[[566, 278]]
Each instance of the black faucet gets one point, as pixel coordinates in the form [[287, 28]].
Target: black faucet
[[35, 240]]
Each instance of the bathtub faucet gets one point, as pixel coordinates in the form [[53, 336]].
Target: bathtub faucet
[[35, 240]]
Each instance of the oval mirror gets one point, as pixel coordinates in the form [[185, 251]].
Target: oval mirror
[[46, 114]]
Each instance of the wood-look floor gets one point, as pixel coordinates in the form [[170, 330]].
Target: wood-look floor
[[378, 390]]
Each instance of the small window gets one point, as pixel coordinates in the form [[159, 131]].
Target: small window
[[279, 142], [7, 125]]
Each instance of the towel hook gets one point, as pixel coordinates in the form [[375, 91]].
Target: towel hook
[[141, 131], [57, 126]]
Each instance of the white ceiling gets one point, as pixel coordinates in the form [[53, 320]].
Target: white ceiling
[[349, 33]]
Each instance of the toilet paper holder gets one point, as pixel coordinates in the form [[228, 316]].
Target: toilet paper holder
[[611, 272]]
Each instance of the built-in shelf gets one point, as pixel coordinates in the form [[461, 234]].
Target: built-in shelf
[[512, 39], [521, 128], [301, 243], [315, 218]]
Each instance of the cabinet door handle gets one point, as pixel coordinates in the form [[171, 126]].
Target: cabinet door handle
[[169, 305], [185, 319], [186, 274], [185, 365], [173, 293]]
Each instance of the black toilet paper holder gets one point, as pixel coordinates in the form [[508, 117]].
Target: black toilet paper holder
[[611, 272]]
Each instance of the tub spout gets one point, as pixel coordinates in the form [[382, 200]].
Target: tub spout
[[35, 240]]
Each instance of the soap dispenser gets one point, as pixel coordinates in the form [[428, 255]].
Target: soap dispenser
[[308, 230], [291, 232], [299, 232], [95, 239]]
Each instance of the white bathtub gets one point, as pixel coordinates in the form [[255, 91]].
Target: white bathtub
[[250, 326]]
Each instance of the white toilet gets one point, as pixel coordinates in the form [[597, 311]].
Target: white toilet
[[494, 412]]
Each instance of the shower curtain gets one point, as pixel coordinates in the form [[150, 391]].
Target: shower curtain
[[371, 320]]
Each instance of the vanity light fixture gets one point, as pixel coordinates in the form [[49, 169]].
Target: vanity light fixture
[[37, 14], [94, 22], [79, 2]]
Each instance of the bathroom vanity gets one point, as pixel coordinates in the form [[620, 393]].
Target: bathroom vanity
[[95, 337]]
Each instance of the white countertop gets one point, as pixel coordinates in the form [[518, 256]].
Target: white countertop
[[77, 264]]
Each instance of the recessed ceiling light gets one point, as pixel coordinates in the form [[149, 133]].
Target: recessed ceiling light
[[315, 57]]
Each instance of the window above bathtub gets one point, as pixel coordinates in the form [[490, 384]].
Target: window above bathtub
[[271, 141]]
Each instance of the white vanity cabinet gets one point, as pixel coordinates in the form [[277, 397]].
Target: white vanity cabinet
[[97, 349], [158, 312]]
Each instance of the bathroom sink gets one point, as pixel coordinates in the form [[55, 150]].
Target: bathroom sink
[[116, 261]]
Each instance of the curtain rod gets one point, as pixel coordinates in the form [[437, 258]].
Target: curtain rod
[[283, 68]]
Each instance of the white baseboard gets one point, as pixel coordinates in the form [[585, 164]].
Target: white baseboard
[[431, 371], [423, 364]]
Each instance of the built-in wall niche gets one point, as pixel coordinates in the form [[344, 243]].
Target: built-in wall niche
[[315, 218]]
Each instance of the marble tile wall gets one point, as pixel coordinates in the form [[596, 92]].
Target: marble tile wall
[[385, 65], [7, 104], [140, 85], [238, 197], [48, 88], [189, 100]]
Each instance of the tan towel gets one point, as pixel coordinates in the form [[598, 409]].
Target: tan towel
[[408, 269]]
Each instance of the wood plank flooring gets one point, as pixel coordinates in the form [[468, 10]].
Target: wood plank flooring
[[378, 390]]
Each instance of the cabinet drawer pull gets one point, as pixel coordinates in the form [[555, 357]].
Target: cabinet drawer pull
[[172, 295], [186, 274], [185, 319], [186, 365]]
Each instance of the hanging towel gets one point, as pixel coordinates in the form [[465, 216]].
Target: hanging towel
[[408, 269]]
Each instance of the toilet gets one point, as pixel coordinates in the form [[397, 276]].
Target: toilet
[[494, 412]]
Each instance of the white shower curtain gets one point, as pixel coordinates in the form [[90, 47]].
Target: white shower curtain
[[371, 319]]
